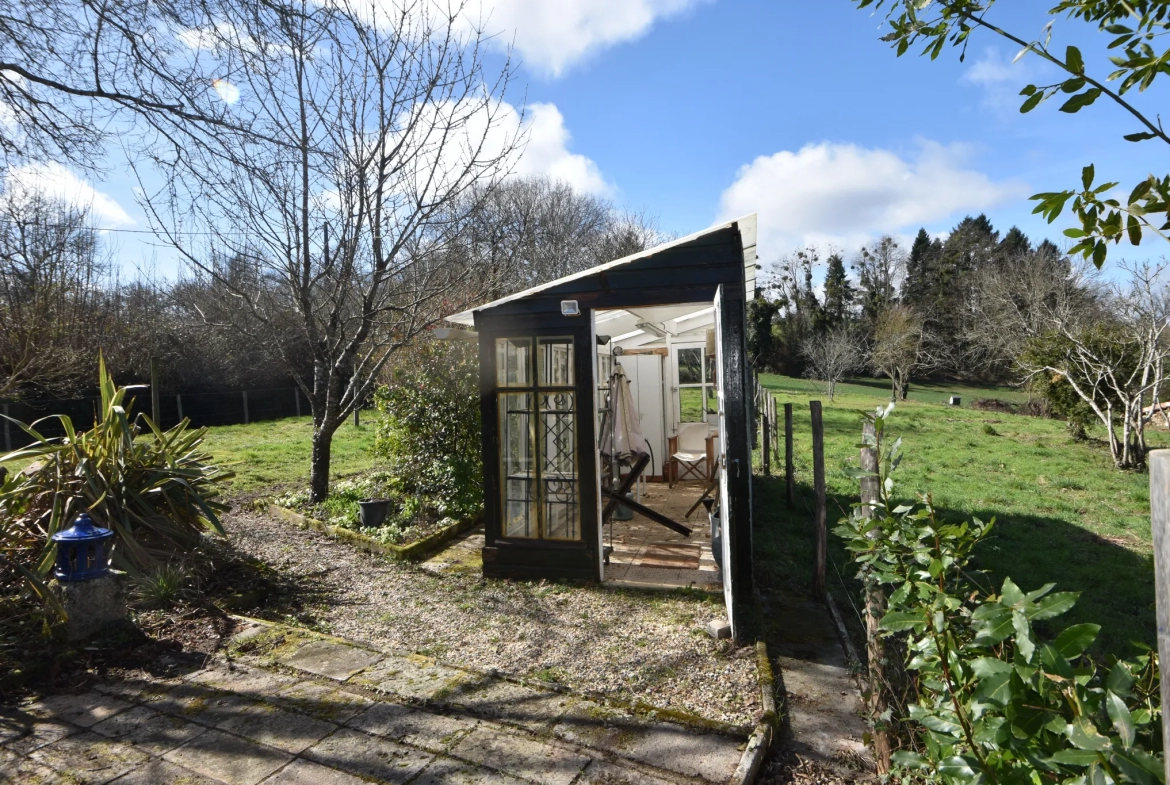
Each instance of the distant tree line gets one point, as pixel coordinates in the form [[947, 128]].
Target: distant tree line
[[981, 308]]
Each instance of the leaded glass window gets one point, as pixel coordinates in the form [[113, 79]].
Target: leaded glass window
[[538, 438]]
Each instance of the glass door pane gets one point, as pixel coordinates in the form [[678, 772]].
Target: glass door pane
[[517, 465], [558, 446]]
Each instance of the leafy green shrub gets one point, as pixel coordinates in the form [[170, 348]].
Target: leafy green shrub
[[157, 490], [429, 428], [995, 702]]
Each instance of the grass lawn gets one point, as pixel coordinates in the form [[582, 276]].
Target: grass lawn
[[1063, 514], [272, 455]]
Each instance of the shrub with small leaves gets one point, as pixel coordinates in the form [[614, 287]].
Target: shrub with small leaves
[[996, 701]]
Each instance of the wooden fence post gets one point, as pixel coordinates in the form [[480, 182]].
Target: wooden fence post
[[1159, 462], [245, 396], [789, 474], [297, 398], [179, 404], [356, 422], [7, 431], [766, 445], [875, 610], [818, 433], [154, 402]]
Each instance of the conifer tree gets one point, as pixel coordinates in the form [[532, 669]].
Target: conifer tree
[[839, 293]]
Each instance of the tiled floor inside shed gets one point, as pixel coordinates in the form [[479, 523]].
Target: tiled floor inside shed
[[649, 554]]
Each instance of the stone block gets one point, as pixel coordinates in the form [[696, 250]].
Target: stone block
[[413, 678], [323, 701], [84, 709], [524, 757], [149, 730], [160, 772], [89, 758], [434, 732], [305, 772], [602, 772], [241, 680], [719, 629], [92, 606], [34, 734], [536, 710], [285, 730], [369, 756], [335, 661], [446, 771], [228, 758]]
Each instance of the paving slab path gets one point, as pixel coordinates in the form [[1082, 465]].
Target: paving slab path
[[284, 706]]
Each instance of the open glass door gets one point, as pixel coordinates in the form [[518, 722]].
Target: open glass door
[[721, 459]]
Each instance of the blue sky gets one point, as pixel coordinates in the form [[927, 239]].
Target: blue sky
[[697, 110]]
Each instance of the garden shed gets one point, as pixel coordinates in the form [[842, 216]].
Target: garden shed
[[669, 325]]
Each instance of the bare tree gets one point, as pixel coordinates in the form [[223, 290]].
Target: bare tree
[[832, 356], [51, 272], [897, 347], [1107, 344], [385, 121]]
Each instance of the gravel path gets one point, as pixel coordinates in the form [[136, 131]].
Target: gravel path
[[640, 645]]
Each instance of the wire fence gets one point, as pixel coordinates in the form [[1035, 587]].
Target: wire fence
[[219, 408]]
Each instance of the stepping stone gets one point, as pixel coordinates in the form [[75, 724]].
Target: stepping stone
[[527, 758], [305, 772], [601, 772], [243, 681], [159, 772], [285, 730], [434, 732], [413, 678], [369, 756], [37, 734], [84, 709], [323, 701], [15, 769], [536, 710], [196, 704], [332, 660], [89, 758], [149, 730], [446, 771], [228, 758]]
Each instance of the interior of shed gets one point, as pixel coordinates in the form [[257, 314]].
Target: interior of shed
[[668, 355]]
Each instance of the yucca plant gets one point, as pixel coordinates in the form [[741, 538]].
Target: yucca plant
[[156, 489]]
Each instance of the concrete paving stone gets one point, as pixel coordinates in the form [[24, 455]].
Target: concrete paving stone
[[323, 701], [448, 771], [536, 710], [369, 756], [38, 734], [285, 730], [671, 747], [305, 772], [434, 732], [191, 702], [84, 709], [416, 678], [148, 730], [591, 724], [19, 770], [332, 660], [228, 758], [522, 757], [126, 688], [160, 772], [602, 772], [89, 758], [240, 680]]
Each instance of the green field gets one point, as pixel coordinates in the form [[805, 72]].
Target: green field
[[1063, 514]]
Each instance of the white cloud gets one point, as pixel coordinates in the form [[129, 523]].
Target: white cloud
[[54, 181], [547, 153], [845, 195], [553, 35]]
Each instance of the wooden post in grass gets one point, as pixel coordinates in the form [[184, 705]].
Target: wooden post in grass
[[356, 422], [7, 431], [297, 398], [179, 404], [1160, 524], [245, 397], [789, 479], [154, 402], [766, 442], [875, 610], [818, 434]]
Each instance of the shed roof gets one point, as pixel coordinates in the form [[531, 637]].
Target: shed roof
[[747, 231]]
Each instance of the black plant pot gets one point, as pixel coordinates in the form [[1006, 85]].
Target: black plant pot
[[372, 512]]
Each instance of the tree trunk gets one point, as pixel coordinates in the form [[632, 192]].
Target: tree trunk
[[319, 474]]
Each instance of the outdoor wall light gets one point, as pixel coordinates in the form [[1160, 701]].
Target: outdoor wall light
[[569, 308]]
